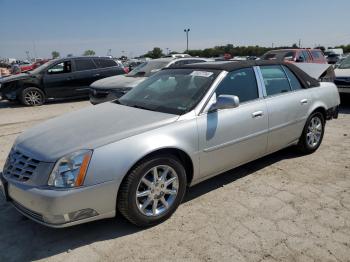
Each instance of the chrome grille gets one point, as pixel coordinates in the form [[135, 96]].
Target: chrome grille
[[19, 166]]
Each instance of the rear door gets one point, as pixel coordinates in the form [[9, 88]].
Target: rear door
[[58, 80], [85, 73], [107, 67], [287, 106]]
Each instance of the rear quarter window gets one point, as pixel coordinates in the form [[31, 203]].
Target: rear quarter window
[[84, 64], [103, 63]]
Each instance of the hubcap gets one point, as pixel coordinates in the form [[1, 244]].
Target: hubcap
[[314, 132], [157, 190], [33, 98]]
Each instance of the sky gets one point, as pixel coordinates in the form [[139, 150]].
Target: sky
[[133, 27]]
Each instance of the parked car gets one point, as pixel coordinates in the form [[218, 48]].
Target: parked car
[[114, 87], [28, 67], [342, 76], [296, 55], [333, 58], [179, 127], [62, 78]]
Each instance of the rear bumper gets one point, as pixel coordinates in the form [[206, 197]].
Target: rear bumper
[[344, 90], [63, 208]]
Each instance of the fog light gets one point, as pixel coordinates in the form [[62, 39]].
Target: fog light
[[82, 214]]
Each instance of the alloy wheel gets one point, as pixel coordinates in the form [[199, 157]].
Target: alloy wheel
[[314, 131], [157, 190], [33, 98]]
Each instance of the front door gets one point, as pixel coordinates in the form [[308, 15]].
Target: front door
[[58, 80], [230, 137]]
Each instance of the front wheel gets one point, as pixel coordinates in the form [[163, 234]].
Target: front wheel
[[312, 135], [32, 96], [152, 191]]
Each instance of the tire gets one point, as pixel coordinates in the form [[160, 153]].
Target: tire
[[131, 206], [32, 96], [312, 135]]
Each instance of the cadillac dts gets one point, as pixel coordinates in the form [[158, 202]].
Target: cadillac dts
[[137, 155]]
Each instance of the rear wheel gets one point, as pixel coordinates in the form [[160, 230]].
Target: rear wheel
[[312, 135], [32, 96], [152, 191]]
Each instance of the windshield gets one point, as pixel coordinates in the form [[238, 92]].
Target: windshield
[[148, 68], [173, 91], [42, 67], [345, 64]]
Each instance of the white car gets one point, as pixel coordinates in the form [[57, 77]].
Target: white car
[[342, 76]]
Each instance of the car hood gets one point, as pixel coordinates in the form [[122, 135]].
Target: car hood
[[88, 128], [342, 72], [14, 78], [119, 81]]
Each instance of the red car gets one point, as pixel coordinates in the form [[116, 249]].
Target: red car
[[301, 55], [25, 68]]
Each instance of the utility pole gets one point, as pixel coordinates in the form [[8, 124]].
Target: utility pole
[[299, 43], [186, 31], [109, 53]]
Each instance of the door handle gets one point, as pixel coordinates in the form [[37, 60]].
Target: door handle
[[96, 75], [303, 101], [257, 114]]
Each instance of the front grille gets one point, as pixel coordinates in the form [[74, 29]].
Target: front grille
[[19, 166], [28, 212]]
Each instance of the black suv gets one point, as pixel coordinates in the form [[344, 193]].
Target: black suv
[[57, 79]]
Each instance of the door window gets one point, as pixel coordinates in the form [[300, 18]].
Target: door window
[[84, 64], [64, 67], [276, 81], [293, 80], [306, 55], [241, 83], [103, 63]]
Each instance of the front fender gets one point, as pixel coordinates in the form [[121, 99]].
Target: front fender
[[113, 161]]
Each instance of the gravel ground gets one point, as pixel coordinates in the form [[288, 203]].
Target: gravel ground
[[283, 207]]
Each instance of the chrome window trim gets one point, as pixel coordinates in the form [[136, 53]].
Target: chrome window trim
[[259, 80]]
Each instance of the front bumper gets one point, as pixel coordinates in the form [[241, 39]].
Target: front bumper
[[100, 96], [63, 208]]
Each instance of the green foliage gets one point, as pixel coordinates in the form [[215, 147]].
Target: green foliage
[[89, 52], [55, 54], [155, 53], [346, 48]]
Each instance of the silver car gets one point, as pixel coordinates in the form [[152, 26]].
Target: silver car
[[179, 127]]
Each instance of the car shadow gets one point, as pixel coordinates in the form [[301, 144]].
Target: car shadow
[[41, 242]]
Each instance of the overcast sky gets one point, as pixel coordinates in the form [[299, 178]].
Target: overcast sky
[[41, 26]]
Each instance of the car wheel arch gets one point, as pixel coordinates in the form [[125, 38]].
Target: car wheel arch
[[184, 158]]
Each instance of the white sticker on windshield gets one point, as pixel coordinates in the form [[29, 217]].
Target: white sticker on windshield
[[201, 73]]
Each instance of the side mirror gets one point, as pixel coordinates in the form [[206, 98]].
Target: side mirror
[[224, 102]]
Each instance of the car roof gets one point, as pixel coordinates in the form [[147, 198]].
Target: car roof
[[229, 66]]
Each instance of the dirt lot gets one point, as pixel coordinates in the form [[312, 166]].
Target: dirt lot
[[284, 207]]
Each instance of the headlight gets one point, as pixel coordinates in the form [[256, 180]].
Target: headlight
[[70, 170]]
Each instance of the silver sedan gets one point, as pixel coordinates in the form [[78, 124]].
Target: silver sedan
[[179, 127]]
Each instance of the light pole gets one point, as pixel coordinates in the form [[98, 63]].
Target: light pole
[[186, 31]]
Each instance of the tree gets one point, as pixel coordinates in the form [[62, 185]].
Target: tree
[[155, 53], [89, 52], [55, 54]]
